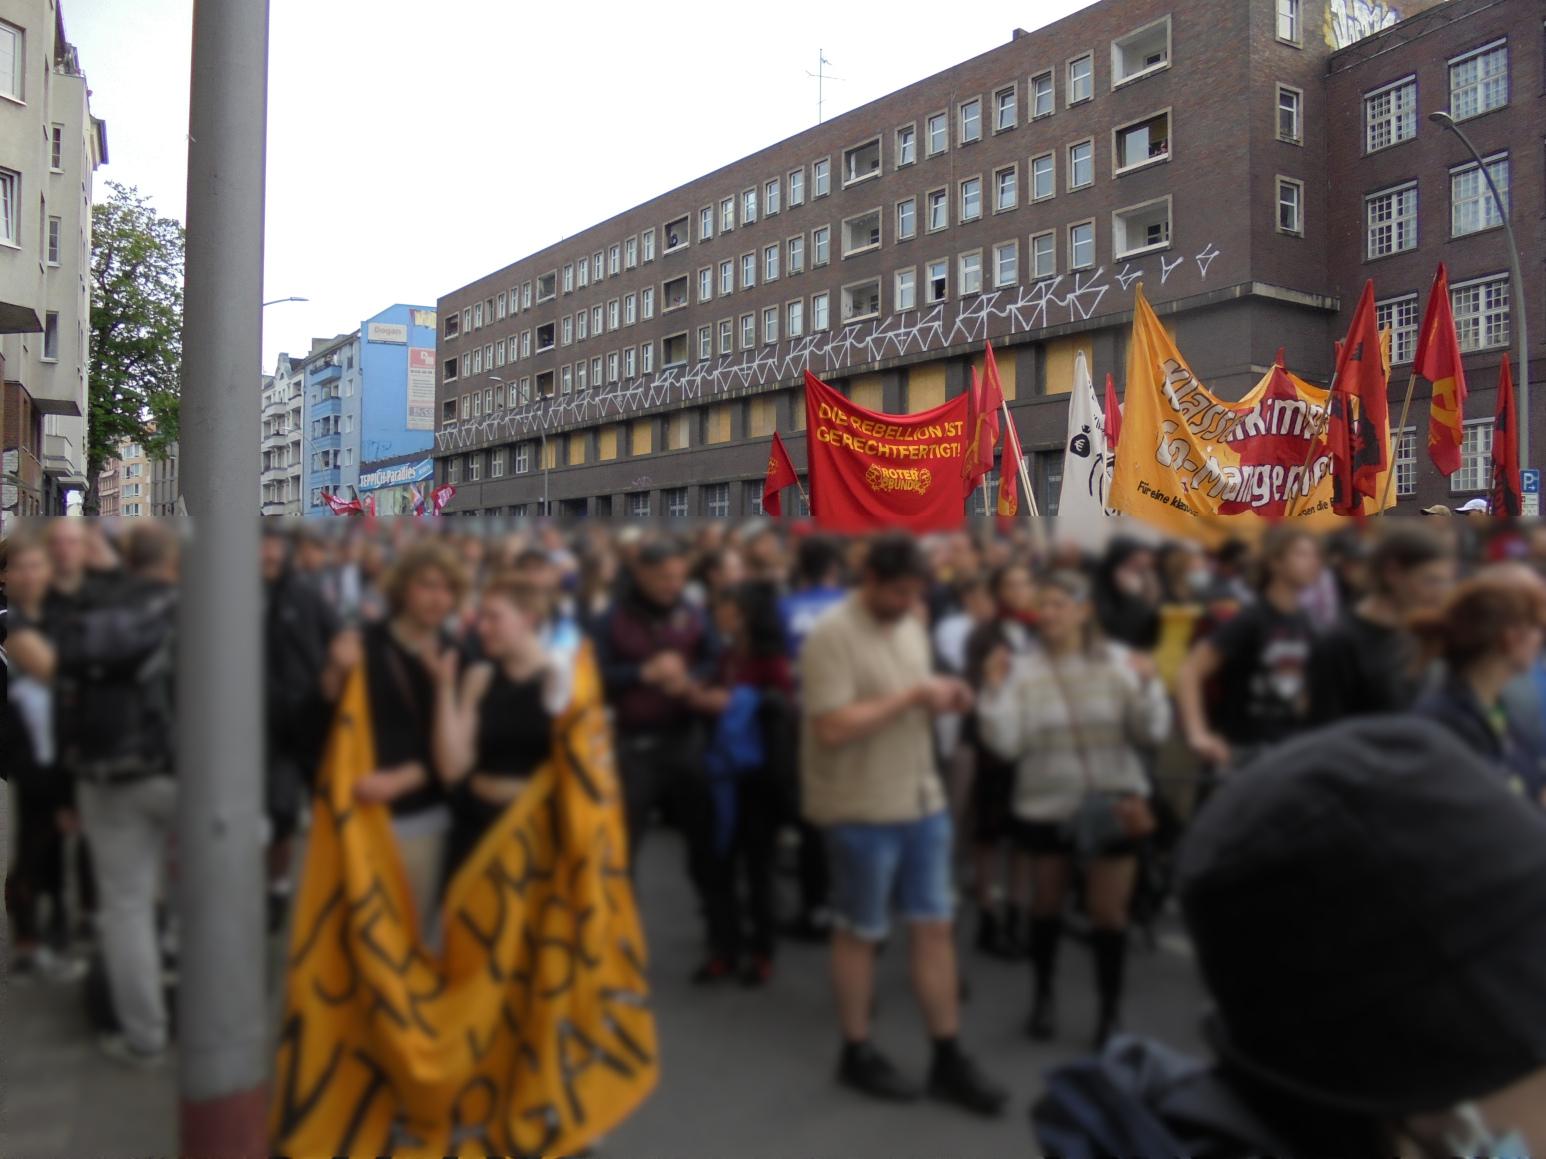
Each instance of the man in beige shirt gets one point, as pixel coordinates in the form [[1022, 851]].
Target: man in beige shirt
[[871, 784]]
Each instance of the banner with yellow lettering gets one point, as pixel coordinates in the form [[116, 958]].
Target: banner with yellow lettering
[[1190, 463], [870, 471], [530, 1034]]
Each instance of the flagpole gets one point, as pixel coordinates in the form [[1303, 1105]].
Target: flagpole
[[1025, 477], [1395, 447]]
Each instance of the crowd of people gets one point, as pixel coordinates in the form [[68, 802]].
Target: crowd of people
[[1021, 718]]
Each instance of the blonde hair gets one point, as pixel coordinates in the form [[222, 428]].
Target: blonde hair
[[432, 555]]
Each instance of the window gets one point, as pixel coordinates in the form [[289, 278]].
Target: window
[[1006, 264], [1399, 316], [796, 187], [56, 148], [647, 301], [797, 254], [1140, 229], [477, 316], [1475, 472], [705, 286], [1006, 109], [970, 281], [939, 209], [647, 240], [1390, 115], [705, 223], [748, 271], [748, 331], [598, 267], [546, 384], [453, 325], [677, 234], [1043, 103], [499, 347], [55, 229], [1405, 457], [612, 366], [51, 337], [630, 362], [937, 281], [614, 314], [1478, 81], [971, 199], [821, 178], [614, 260], [726, 337], [1081, 245], [971, 120], [771, 193], [1290, 206], [794, 318], [545, 337], [821, 244], [1081, 79], [449, 370], [566, 332], [939, 134], [466, 319], [522, 458], [861, 162], [716, 500], [819, 311], [1290, 115], [1471, 204], [597, 321], [501, 306], [466, 365], [569, 279], [595, 371], [13, 59], [906, 145], [861, 301], [907, 219], [547, 289], [676, 502], [726, 277], [1139, 53], [1391, 220], [1043, 177], [581, 378], [748, 207], [770, 324], [1288, 20], [1142, 143], [526, 341], [1006, 189], [1481, 312], [639, 505], [631, 253], [705, 344], [1081, 164], [496, 463], [861, 233], [770, 262], [526, 295]]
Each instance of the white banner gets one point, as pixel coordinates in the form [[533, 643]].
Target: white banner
[[1086, 458], [391, 332], [421, 388]]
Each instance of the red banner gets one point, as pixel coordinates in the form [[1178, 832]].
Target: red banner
[[870, 471]]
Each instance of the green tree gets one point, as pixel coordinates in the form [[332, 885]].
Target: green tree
[[136, 329]]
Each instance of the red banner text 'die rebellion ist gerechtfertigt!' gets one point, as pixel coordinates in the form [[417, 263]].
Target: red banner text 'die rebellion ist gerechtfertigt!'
[[870, 470]]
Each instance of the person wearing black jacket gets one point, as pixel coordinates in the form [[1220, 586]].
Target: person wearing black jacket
[[1127, 595], [299, 627]]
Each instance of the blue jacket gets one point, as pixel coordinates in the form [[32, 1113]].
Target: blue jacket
[[1511, 751]]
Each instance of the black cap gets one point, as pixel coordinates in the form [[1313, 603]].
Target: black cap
[[1368, 906]]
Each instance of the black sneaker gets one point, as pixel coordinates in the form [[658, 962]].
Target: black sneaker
[[955, 1078], [869, 1072]]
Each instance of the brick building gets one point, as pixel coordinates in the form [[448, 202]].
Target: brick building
[[1213, 150]]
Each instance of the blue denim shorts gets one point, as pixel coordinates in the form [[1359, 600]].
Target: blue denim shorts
[[875, 865]]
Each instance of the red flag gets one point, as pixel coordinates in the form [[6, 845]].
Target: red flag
[[973, 409], [1438, 360], [1358, 415], [780, 474], [340, 506], [1506, 493], [982, 428], [1009, 474], [1113, 414], [441, 496]]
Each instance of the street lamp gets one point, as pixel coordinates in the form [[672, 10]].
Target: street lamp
[[541, 434], [1516, 278], [281, 301]]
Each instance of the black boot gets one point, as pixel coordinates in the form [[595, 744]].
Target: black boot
[[990, 935], [1045, 935], [1015, 944], [1110, 948], [955, 1078]]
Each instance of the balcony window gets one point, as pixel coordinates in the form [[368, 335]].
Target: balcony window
[[1140, 53], [1140, 229], [861, 301], [673, 350], [677, 234], [861, 233], [545, 337], [1142, 143], [546, 384], [547, 287], [861, 162]]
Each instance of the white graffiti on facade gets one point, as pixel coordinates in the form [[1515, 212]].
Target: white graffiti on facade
[[1349, 21], [996, 313]]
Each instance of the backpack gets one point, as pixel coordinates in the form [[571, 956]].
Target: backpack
[[735, 750], [113, 708]]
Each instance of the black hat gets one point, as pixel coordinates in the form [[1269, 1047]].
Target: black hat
[[1368, 907]]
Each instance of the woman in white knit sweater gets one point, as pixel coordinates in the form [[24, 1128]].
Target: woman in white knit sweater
[[1072, 715]]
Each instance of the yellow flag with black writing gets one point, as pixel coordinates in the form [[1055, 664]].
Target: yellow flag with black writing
[[531, 1033]]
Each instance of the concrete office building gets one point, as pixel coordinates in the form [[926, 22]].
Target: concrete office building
[[50, 147], [124, 483], [1224, 153], [281, 457]]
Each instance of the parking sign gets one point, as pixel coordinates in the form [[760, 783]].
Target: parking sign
[[1530, 492]]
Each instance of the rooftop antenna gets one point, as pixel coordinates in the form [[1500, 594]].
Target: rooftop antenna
[[821, 78]]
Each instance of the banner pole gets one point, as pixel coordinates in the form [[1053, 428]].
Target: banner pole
[[1289, 512], [1390, 477]]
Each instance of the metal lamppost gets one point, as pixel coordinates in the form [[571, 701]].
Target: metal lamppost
[[1517, 284], [281, 301], [543, 435]]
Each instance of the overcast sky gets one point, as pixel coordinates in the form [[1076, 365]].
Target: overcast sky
[[413, 147]]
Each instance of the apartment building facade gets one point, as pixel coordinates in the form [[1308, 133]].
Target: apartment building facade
[[50, 147], [124, 483], [640, 367], [281, 454]]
